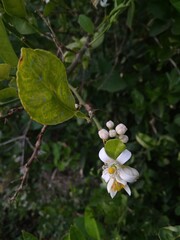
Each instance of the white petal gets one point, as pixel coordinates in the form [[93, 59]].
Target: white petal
[[128, 174], [120, 180], [124, 156], [109, 185], [127, 189], [105, 175], [112, 193], [104, 157]]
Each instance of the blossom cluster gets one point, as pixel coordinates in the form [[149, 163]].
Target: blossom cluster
[[118, 131], [115, 173]]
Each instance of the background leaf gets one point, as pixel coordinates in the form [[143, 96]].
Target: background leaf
[[15, 8], [86, 23], [6, 51], [91, 225], [28, 236], [4, 71], [43, 87]]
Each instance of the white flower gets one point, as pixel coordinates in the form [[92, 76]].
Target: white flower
[[121, 129], [104, 3], [114, 182], [110, 124], [124, 138], [112, 133], [47, 1], [103, 134], [115, 174]]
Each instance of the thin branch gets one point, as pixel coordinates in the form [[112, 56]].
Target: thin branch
[[11, 112], [26, 167], [78, 57]]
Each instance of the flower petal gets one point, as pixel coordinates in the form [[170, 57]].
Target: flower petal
[[124, 156], [127, 189], [105, 175], [104, 157], [120, 180], [109, 185], [128, 174], [112, 193]]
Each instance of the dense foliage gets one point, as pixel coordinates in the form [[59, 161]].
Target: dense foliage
[[127, 72]]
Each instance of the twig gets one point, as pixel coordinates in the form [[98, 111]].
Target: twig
[[26, 167], [78, 57], [11, 112], [12, 140], [53, 35]]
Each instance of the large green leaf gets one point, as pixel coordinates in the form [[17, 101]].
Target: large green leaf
[[91, 225], [15, 7], [4, 70], [43, 87], [114, 147], [6, 51]]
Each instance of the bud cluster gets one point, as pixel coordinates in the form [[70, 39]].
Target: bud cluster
[[114, 132]]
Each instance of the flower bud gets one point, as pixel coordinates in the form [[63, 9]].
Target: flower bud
[[112, 133], [121, 129], [110, 124], [124, 138], [103, 134]]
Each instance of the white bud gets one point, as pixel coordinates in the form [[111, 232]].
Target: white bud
[[76, 106], [121, 129], [110, 124], [103, 134], [112, 133], [124, 138]]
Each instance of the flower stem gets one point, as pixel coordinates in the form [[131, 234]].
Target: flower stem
[[85, 105]]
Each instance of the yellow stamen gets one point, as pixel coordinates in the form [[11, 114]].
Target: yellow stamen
[[117, 186], [111, 170]]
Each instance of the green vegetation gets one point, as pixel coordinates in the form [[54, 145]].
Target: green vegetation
[[122, 65]]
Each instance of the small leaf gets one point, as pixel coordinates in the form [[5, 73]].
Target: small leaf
[[28, 236], [4, 71], [22, 26], [176, 4], [130, 14], [86, 23], [146, 141], [15, 8], [169, 233], [76, 234], [6, 52], [43, 87], [91, 225], [7, 95], [114, 148]]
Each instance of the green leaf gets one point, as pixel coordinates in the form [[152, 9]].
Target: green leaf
[[130, 14], [15, 8], [76, 234], [176, 4], [22, 26], [6, 51], [86, 23], [43, 87], [4, 71], [91, 225], [28, 236], [146, 141], [114, 147], [169, 233], [7, 95]]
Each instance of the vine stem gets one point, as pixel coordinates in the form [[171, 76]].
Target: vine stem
[[26, 167], [86, 106]]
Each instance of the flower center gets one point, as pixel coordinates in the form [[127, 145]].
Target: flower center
[[111, 170], [117, 186]]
